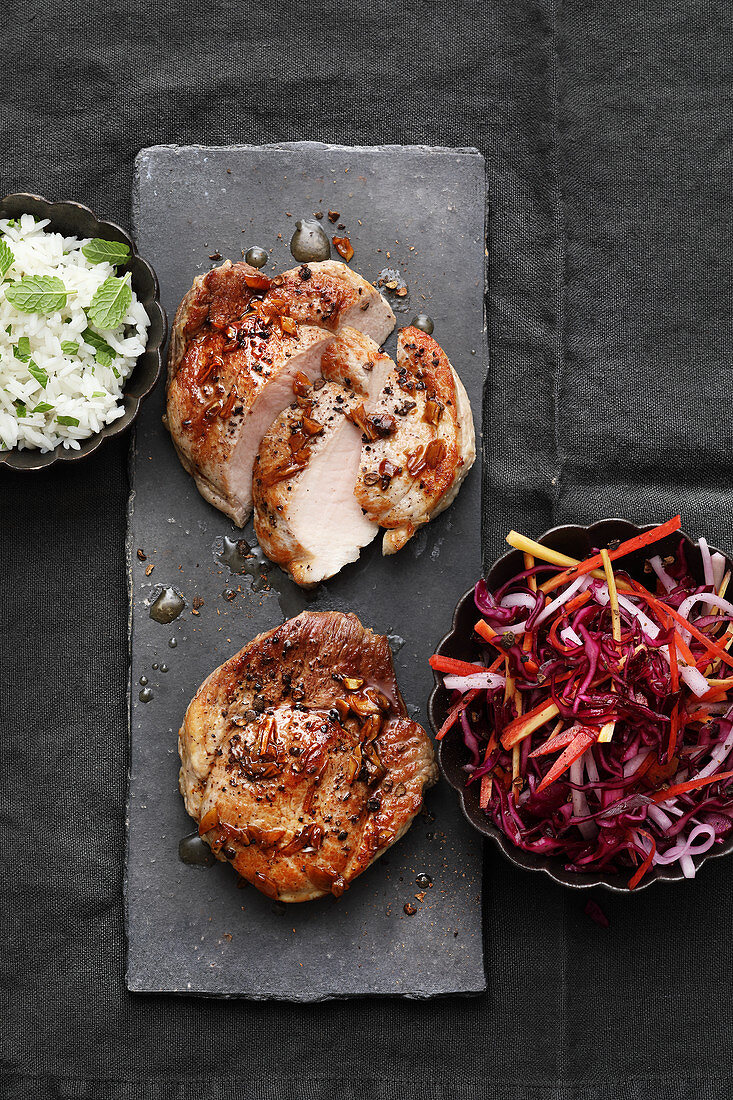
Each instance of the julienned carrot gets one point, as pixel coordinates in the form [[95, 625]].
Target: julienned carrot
[[483, 629], [684, 650], [724, 643], [455, 712], [582, 740], [642, 869], [722, 654], [576, 602], [453, 666], [487, 780], [522, 727], [690, 785], [699, 716], [679, 642], [646, 538], [715, 695], [557, 741], [489, 635]]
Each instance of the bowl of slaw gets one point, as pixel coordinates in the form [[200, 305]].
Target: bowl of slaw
[[583, 705]]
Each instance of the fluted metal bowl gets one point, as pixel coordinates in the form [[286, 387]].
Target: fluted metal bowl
[[74, 220], [461, 642]]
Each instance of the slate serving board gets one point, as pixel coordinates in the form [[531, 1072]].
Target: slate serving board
[[190, 928]]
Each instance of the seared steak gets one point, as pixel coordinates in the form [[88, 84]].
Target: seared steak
[[299, 762]]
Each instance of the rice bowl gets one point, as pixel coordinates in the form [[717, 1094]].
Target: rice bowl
[[64, 359]]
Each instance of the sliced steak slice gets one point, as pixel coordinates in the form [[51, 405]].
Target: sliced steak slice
[[423, 445], [307, 518]]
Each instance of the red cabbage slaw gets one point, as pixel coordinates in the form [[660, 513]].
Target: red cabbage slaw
[[599, 722]]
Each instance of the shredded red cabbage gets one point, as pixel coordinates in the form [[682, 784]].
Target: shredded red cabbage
[[603, 809]]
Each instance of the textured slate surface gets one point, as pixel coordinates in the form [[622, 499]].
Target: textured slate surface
[[190, 929]]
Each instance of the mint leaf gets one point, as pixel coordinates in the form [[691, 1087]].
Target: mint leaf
[[70, 421], [103, 353], [37, 294], [69, 347], [115, 372], [39, 374], [99, 250], [6, 257], [44, 407], [20, 409], [99, 393], [110, 303], [13, 223], [22, 349]]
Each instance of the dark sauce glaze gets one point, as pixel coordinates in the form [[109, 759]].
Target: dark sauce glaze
[[309, 242], [256, 256], [195, 852], [244, 559], [167, 606], [424, 323]]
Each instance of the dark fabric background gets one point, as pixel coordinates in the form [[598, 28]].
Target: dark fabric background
[[607, 129]]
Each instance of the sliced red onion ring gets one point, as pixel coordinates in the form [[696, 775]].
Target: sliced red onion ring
[[719, 754], [688, 866], [659, 817], [719, 567], [707, 565], [590, 766], [649, 628], [669, 583], [519, 599], [694, 679], [580, 582], [631, 765], [516, 599], [473, 680], [701, 597], [687, 847], [520, 628]]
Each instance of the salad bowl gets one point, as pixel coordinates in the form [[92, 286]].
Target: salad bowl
[[463, 644]]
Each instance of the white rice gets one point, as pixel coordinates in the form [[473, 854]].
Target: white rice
[[78, 385]]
